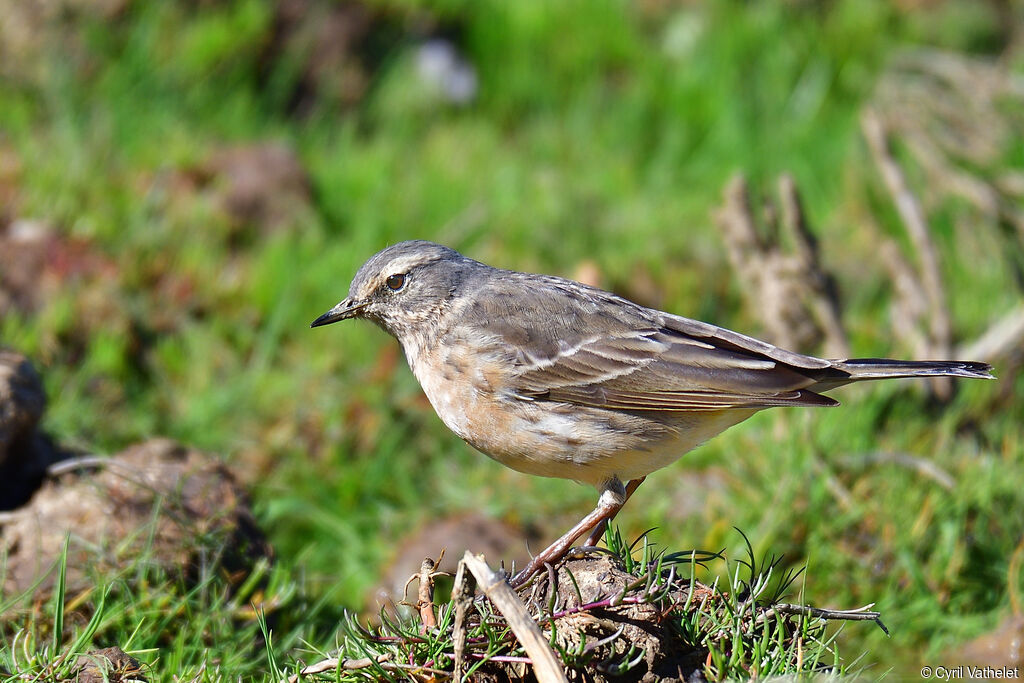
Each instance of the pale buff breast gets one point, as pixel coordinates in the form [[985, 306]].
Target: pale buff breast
[[549, 439]]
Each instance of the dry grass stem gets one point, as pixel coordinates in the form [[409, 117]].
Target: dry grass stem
[[922, 466], [859, 614], [462, 596], [790, 290], [824, 301], [546, 666], [425, 595]]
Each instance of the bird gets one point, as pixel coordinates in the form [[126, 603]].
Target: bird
[[556, 378]]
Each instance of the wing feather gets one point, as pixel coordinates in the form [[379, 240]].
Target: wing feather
[[596, 349], [651, 369]]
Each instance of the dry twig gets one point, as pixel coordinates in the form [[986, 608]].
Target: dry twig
[[793, 294], [956, 115], [909, 307], [462, 593], [425, 601], [425, 593], [823, 300], [546, 666], [859, 614]]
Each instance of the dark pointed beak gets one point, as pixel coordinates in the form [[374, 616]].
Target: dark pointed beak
[[345, 309]]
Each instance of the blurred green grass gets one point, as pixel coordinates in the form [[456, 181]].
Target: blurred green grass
[[602, 132]]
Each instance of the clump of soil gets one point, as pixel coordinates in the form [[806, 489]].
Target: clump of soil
[[616, 633], [109, 665], [157, 498], [173, 505]]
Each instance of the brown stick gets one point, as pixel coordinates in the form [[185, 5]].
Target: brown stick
[[546, 666], [788, 288], [736, 220], [859, 614], [425, 595], [462, 593]]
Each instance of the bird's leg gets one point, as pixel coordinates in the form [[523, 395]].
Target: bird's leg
[[595, 536], [613, 497]]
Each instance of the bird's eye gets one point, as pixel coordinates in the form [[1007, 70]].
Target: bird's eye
[[395, 282]]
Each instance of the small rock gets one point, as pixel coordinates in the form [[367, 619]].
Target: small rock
[[22, 400], [24, 452], [109, 665]]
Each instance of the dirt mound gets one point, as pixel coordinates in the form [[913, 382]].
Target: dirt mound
[[158, 499], [173, 505]]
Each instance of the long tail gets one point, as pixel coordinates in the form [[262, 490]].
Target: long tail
[[881, 368], [857, 369]]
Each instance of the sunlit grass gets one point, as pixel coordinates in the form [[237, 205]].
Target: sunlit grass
[[608, 143]]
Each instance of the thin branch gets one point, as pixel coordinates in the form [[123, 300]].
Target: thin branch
[[462, 596], [78, 463], [546, 666], [787, 286], [910, 302], [824, 301], [425, 595], [859, 614]]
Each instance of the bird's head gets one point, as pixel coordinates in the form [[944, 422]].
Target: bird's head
[[403, 287]]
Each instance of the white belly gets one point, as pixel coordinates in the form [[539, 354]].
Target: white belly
[[553, 439]]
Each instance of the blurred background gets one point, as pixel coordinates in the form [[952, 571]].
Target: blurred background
[[184, 186]]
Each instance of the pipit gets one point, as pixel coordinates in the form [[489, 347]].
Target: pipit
[[559, 379]]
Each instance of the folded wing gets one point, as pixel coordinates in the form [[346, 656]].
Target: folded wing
[[658, 369], [602, 351]]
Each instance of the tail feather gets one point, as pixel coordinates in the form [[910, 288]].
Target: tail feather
[[883, 368]]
